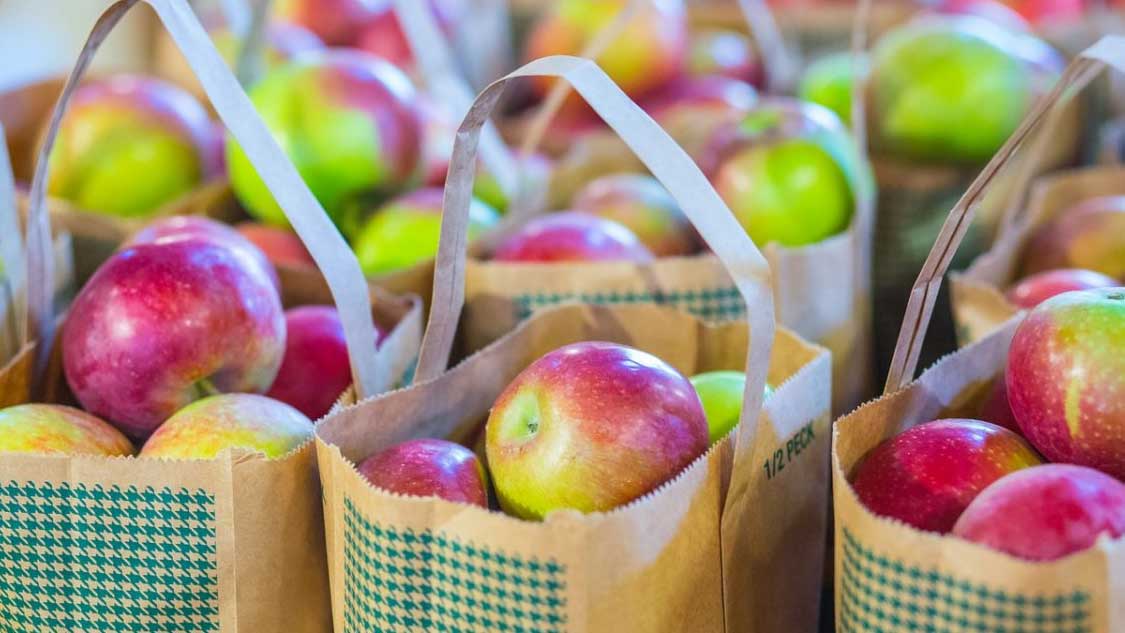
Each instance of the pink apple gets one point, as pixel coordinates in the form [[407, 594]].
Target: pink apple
[[429, 468], [1037, 288], [643, 205], [160, 325], [207, 427], [571, 236], [727, 53], [315, 369], [281, 246], [1066, 378], [54, 428], [196, 227], [590, 427], [996, 408], [1090, 235], [927, 475], [1046, 512]]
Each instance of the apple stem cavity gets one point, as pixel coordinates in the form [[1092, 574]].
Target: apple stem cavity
[[204, 388], [522, 423]]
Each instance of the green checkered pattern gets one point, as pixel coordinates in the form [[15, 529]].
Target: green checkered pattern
[[715, 304], [884, 595], [99, 558], [399, 580]]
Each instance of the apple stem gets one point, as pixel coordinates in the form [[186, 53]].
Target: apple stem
[[205, 388]]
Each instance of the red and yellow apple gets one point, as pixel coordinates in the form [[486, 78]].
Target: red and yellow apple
[[429, 468], [160, 325], [1037, 288], [129, 144], [54, 428], [207, 427], [590, 427], [927, 475], [176, 228], [1066, 378], [1089, 235], [337, 22], [1046, 512], [571, 236], [280, 245], [721, 393], [644, 206]]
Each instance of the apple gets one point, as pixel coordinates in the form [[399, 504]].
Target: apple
[[991, 10], [160, 325], [952, 89], [996, 408], [721, 393], [785, 170], [571, 236], [383, 35], [927, 475], [711, 97], [590, 427], [1037, 12], [129, 144], [429, 468], [1090, 235], [649, 52], [641, 204], [1066, 378], [1045, 512], [534, 175], [196, 227], [315, 369], [281, 246], [1037, 288], [405, 231], [337, 22], [207, 427], [828, 82], [726, 53], [54, 428], [348, 121]]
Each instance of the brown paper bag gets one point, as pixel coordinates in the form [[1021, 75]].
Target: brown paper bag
[[890, 576], [734, 543], [234, 543]]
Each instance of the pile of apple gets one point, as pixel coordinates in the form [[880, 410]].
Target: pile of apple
[[1060, 400], [588, 427], [170, 345]]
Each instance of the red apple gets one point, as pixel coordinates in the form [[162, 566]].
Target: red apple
[[196, 227], [1037, 288], [315, 369], [1089, 235], [429, 468], [928, 474], [281, 246], [1066, 378], [727, 53], [1045, 512], [571, 236], [160, 325], [54, 428], [688, 98], [590, 427], [996, 408], [337, 22], [207, 427], [383, 35], [990, 10], [641, 204]]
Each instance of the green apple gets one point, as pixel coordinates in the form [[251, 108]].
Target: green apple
[[828, 82], [721, 394]]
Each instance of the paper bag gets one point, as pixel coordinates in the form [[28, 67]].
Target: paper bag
[[734, 543], [890, 576], [235, 543]]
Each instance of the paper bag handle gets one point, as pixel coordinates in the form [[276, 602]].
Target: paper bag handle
[[327, 247], [670, 165], [12, 254], [781, 68], [1109, 51]]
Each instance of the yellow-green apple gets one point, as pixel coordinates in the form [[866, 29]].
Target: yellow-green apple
[[649, 52], [727, 53], [405, 231], [349, 122], [207, 427], [721, 393], [952, 89], [429, 468], [645, 207], [1045, 512], [1066, 378], [786, 171], [54, 428], [1089, 235], [337, 22], [315, 369], [828, 82], [160, 325], [125, 127], [571, 236], [281, 245], [1038, 287], [177, 228], [590, 427], [927, 475]]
